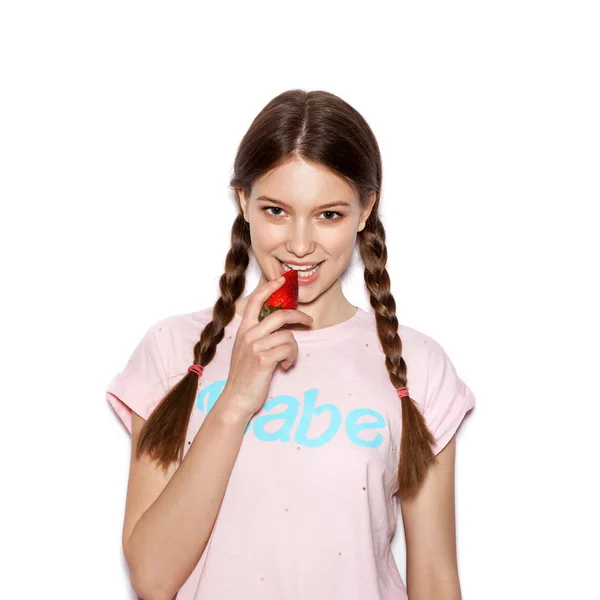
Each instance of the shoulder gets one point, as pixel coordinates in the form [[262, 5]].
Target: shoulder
[[421, 351], [417, 346], [180, 324], [176, 334], [418, 340], [424, 355]]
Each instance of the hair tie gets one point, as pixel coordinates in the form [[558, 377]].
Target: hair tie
[[402, 391], [196, 369]]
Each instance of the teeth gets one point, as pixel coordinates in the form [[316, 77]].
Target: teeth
[[298, 268], [301, 272]]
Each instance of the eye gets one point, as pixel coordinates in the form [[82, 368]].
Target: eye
[[272, 208], [330, 212]]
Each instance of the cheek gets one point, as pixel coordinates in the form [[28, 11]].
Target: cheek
[[341, 245], [265, 237]]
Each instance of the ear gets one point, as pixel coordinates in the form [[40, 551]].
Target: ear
[[243, 203], [367, 211]]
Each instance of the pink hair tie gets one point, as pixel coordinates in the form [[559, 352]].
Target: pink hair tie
[[196, 369], [402, 391]]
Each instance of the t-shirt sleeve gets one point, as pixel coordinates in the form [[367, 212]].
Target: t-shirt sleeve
[[448, 398], [142, 382]]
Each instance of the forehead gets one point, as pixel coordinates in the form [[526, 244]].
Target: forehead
[[304, 184]]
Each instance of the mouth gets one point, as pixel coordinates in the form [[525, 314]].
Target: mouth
[[303, 275]]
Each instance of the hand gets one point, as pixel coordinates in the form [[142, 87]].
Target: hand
[[258, 348]]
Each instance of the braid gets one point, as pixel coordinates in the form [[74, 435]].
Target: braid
[[163, 435], [231, 284], [416, 452]]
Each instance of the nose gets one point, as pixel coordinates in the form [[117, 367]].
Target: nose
[[300, 239]]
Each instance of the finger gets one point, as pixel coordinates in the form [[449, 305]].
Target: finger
[[284, 352], [279, 338], [281, 317]]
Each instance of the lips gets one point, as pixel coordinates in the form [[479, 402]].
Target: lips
[[303, 279]]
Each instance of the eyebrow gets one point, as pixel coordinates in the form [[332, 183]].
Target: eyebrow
[[286, 205]]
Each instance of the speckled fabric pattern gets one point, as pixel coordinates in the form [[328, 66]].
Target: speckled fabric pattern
[[310, 508]]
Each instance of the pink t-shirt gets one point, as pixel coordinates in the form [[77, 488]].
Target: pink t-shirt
[[309, 511]]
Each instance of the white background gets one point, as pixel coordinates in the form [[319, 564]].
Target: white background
[[119, 123]]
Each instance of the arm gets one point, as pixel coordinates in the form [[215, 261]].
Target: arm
[[169, 518], [430, 532]]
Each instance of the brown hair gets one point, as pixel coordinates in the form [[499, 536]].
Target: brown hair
[[321, 128]]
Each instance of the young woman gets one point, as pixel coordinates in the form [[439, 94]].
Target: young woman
[[253, 481]]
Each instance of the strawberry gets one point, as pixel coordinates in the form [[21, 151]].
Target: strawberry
[[284, 297]]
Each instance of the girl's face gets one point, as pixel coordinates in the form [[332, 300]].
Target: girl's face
[[303, 213]]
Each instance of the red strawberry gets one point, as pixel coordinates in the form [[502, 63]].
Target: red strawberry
[[284, 297]]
